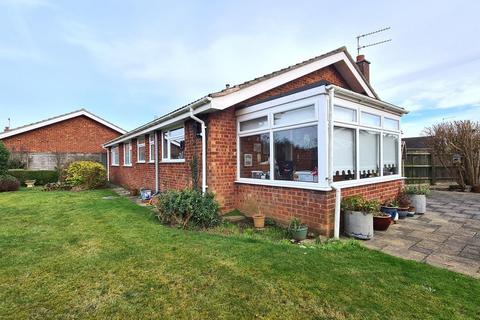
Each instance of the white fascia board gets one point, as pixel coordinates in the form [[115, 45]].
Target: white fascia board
[[359, 77], [59, 119]]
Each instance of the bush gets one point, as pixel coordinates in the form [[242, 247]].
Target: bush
[[54, 186], [85, 175], [16, 163], [4, 156], [188, 208], [8, 183], [41, 177]]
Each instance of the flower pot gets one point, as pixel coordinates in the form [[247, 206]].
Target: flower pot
[[392, 211], [359, 225], [259, 221], [30, 183], [381, 223], [411, 211], [402, 212], [419, 201], [300, 233]]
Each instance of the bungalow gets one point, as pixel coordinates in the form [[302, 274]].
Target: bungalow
[[294, 141]]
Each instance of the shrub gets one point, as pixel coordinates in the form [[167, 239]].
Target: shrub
[[41, 177], [188, 208], [85, 175], [16, 163], [422, 189], [4, 156], [358, 203], [54, 186], [8, 183]]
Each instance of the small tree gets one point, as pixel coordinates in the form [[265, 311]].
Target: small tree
[[460, 138], [4, 156]]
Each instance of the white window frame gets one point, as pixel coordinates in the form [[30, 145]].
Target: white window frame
[[151, 148], [358, 126], [114, 155], [166, 135], [139, 145], [127, 149]]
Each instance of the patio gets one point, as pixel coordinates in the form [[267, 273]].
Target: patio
[[447, 236]]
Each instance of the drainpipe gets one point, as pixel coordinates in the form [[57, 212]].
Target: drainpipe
[[108, 163], [204, 151], [338, 191], [155, 134]]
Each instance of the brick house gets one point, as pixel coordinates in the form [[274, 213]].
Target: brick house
[[51, 143], [293, 141]]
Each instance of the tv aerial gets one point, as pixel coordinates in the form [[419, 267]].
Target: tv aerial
[[359, 47]]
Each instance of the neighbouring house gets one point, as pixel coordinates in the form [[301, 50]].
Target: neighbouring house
[[51, 143], [293, 141]]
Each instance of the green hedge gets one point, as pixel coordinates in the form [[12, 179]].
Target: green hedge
[[41, 176]]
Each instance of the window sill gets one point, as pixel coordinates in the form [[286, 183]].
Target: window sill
[[151, 161], [127, 165], [140, 161], [173, 161], [114, 165], [362, 182], [285, 184]]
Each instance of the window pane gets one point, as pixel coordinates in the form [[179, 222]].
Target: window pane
[[177, 148], [369, 154], [254, 124], [390, 154], [343, 154], [180, 132], [141, 140], [165, 146], [152, 152], [141, 153], [369, 119], [127, 153], [296, 154], [255, 156], [391, 124], [299, 115], [344, 114]]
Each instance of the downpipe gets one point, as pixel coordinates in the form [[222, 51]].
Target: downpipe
[[204, 150]]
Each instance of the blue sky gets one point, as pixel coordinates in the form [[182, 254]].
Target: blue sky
[[128, 61]]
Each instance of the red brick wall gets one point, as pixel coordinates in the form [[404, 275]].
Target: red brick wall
[[77, 135]]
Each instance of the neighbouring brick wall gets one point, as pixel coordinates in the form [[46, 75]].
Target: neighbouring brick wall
[[77, 135], [314, 208]]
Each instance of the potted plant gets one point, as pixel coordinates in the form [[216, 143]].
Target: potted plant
[[403, 205], [298, 229], [418, 197], [411, 211], [30, 183], [390, 207], [358, 217], [251, 206]]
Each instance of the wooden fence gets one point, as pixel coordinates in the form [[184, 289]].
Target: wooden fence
[[421, 166]]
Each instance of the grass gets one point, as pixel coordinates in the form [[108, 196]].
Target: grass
[[76, 255]]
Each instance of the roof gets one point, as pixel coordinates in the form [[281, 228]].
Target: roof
[[56, 119], [416, 142], [218, 100]]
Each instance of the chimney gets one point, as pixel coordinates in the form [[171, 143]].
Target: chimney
[[6, 129], [364, 66]]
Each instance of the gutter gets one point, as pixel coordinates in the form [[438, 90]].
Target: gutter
[[204, 150]]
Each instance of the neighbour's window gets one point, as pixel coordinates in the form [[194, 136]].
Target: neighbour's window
[[296, 154], [344, 159], [141, 149], [114, 155], [255, 156], [151, 150], [173, 144], [391, 124], [369, 154], [344, 114], [390, 154], [370, 119], [127, 154]]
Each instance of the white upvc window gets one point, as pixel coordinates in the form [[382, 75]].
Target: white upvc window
[[114, 155], [173, 145], [127, 154], [367, 147], [141, 149], [279, 145], [151, 149]]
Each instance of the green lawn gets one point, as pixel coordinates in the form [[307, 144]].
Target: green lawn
[[75, 255]]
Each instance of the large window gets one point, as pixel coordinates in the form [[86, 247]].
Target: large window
[[283, 149], [141, 149], [390, 154], [345, 114], [151, 149], [369, 154], [344, 160], [173, 145], [114, 155], [127, 154]]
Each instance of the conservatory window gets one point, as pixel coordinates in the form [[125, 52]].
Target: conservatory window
[[390, 154], [345, 114], [255, 156], [369, 154], [370, 119], [391, 124], [174, 144], [254, 124], [296, 154], [141, 149], [300, 115], [344, 160], [127, 154]]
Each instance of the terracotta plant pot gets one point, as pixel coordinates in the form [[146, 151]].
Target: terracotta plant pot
[[381, 223], [259, 221]]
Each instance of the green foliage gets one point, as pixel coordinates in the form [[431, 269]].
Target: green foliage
[[421, 189], [16, 163], [86, 175], [8, 183], [188, 208], [358, 203], [55, 186], [4, 156], [391, 203], [295, 224], [41, 177]]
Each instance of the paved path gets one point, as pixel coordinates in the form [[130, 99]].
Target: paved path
[[447, 236]]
